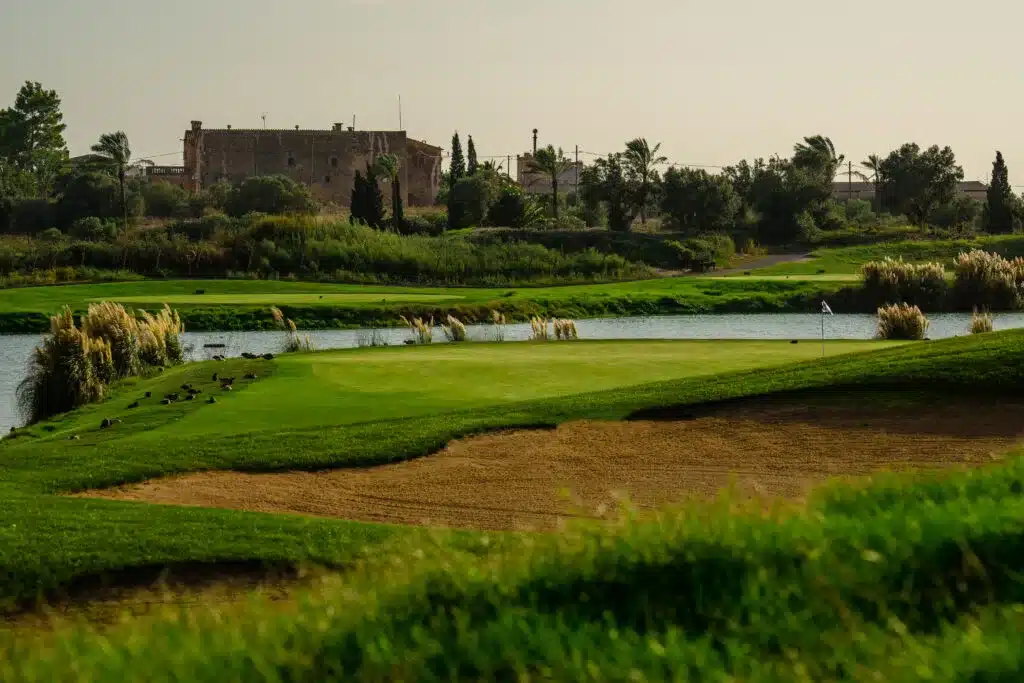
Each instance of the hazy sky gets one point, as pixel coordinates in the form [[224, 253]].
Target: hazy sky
[[713, 81]]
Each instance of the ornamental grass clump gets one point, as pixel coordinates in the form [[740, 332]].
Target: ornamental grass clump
[[121, 330], [64, 372], [422, 331], [565, 330], [454, 330], [988, 280], [901, 321], [539, 330], [981, 322], [894, 280]]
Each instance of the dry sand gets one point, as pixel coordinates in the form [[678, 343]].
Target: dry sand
[[518, 480]]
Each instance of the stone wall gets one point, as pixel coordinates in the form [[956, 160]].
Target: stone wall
[[324, 160]]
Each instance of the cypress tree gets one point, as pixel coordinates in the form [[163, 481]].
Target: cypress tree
[[471, 156], [373, 198], [458, 165], [999, 202], [357, 206]]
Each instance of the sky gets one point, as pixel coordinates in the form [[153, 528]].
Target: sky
[[713, 81]]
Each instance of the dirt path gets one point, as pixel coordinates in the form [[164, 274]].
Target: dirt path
[[514, 480], [765, 262]]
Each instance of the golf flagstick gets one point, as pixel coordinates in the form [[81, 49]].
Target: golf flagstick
[[824, 310]]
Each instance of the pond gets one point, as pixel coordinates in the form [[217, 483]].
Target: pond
[[15, 349]]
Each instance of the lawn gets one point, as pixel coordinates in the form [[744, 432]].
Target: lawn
[[244, 304], [829, 263], [888, 582], [326, 409]]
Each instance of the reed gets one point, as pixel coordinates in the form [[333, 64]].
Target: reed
[[901, 321], [894, 280], [121, 330]]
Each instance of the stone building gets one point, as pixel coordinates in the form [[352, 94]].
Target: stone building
[[324, 160]]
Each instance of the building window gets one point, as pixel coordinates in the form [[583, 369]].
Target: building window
[[327, 180], [334, 162], [291, 160]]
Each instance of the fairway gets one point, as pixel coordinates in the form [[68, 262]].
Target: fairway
[[284, 299], [796, 277]]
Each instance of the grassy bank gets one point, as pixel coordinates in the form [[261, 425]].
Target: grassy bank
[[245, 304], [848, 260], [906, 579]]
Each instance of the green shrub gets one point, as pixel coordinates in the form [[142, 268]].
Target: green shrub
[[94, 229], [275, 194], [164, 200], [893, 280], [509, 209], [901, 321], [469, 201]]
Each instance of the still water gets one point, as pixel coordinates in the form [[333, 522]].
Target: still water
[[15, 349]]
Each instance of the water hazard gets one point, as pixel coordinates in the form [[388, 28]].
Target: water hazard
[[15, 349]]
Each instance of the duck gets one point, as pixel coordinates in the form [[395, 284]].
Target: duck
[[134, 405], [107, 422], [211, 400]]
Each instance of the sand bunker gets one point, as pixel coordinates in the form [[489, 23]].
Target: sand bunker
[[518, 480]]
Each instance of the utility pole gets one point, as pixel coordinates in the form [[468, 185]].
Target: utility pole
[[577, 188], [264, 117], [849, 180], [508, 167]]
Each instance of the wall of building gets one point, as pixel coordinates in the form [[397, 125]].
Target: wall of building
[[424, 175], [324, 160]]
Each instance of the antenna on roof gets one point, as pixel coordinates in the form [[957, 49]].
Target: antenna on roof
[[264, 117]]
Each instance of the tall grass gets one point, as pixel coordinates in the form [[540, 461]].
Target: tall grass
[[454, 330], [371, 338], [901, 321], [893, 281], [498, 320], [981, 322], [564, 329], [73, 365], [293, 341], [987, 279], [539, 330], [422, 331]]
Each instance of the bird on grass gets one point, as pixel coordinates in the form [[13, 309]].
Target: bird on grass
[[211, 400], [134, 405]]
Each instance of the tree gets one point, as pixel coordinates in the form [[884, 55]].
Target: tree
[[457, 168], [32, 144], [641, 159], [698, 201], [915, 183], [367, 200], [1001, 206], [510, 209], [606, 182], [471, 164], [871, 164], [115, 149], [389, 167], [550, 163], [357, 205], [817, 154], [273, 194]]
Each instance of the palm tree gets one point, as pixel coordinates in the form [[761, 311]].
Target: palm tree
[[115, 149], [817, 152], [641, 159], [389, 165], [550, 163], [873, 164]]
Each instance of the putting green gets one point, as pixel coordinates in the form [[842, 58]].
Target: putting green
[[343, 387], [282, 299]]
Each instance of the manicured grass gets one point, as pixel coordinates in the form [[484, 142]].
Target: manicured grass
[[889, 582], [848, 260], [244, 304], [904, 579], [336, 408]]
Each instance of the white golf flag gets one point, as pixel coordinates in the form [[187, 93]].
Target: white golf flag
[[825, 308]]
